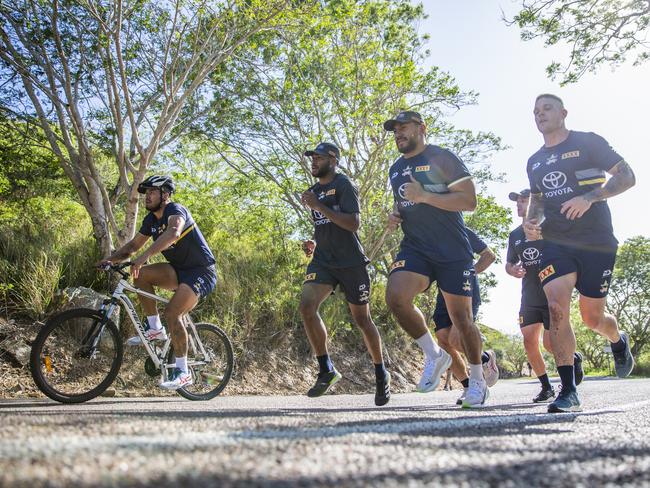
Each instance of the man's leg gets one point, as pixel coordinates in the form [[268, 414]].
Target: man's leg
[[181, 303], [458, 366], [531, 334], [402, 288], [313, 295]]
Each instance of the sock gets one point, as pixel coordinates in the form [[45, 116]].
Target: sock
[[380, 371], [324, 364], [568, 378], [181, 363], [154, 322], [543, 379], [476, 372], [465, 383], [429, 347], [618, 346], [485, 357]]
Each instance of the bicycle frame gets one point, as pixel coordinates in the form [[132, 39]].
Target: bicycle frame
[[194, 342]]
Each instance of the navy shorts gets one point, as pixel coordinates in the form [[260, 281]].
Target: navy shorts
[[201, 280], [534, 315], [441, 318], [354, 281], [594, 268], [454, 278]]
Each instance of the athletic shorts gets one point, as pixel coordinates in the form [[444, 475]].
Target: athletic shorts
[[355, 281], [534, 315], [594, 268], [441, 318], [201, 280], [454, 278]]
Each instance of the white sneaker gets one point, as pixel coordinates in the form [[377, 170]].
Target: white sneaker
[[461, 397], [477, 394], [150, 335], [490, 369], [177, 379], [433, 370]]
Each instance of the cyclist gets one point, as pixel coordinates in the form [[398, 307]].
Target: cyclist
[[190, 270]]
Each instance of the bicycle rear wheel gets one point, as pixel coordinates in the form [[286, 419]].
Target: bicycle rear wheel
[[69, 362], [212, 372]]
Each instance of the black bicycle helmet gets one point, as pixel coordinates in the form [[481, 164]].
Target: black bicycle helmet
[[163, 182]]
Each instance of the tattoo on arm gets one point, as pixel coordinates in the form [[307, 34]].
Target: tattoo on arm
[[622, 179], [535, 207]]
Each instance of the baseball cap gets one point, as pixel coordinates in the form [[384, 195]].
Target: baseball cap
[[403, 118], [325, 149], [513, 195]]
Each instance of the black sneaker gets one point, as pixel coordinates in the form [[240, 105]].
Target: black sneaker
[[623, 361], [323, 383], [577, 368], [545, 395], [565, 402], [382, 395]]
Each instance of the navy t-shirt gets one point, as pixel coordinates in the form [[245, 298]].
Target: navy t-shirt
[[572, 168], [438, 234], [335, 246], [190, 250], [528, 253]]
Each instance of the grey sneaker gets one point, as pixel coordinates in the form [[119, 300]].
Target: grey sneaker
[[433, 370], [323, 383], [623, 361], [566, 401]]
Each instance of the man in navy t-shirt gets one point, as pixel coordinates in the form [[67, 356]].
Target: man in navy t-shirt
[[190, 269], [448, 336], [338, 259], [431, 189], [568, 209]]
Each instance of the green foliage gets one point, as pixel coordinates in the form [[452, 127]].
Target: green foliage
[[599, 32]]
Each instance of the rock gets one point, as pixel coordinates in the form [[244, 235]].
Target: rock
[[82, 297]]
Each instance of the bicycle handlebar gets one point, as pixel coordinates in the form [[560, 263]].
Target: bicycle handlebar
[[117, 268]]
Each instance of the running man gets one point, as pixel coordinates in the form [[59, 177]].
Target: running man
[[432, 188], [338, 259], [522, 262], [189, 271], [448, 337], [568, 210]]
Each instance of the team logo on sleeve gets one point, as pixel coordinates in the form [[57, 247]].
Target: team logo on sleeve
[[546, 272], [398, 264], [571, 154], [310, 277]]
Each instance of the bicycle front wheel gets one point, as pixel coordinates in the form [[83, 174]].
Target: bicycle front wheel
[[212, 371], [75, 356]]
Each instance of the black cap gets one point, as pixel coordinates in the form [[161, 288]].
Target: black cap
[[513, 195], [325, 149], [403, 118]]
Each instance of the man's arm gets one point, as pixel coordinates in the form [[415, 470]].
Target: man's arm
[[516, 270], [534, 217], [173, 231], [461, 196], [347, 221], [127, 250], [485, 259]]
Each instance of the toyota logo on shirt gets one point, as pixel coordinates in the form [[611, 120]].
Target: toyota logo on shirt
[[530, 254], [554, 180]]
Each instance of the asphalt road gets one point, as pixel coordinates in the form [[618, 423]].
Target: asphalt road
[[336, 440]]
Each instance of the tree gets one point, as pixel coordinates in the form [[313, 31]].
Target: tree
[[629, 294], [336, 78], [598, 32], [118, 81]]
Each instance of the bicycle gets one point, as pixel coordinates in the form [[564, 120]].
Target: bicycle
[[78, 353]]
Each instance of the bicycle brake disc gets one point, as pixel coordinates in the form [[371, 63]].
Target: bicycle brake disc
[[151, 369]]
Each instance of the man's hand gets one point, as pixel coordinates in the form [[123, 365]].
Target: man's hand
[[308, 247], [394, 221], [310, 199], [103, 263], [575, 208], [532, 230], [414, 191], [136, 265], [517, 270]]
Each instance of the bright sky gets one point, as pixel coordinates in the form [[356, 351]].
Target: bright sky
[[470, 41]]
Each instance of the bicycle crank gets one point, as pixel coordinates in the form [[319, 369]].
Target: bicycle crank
[[151, 369]]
